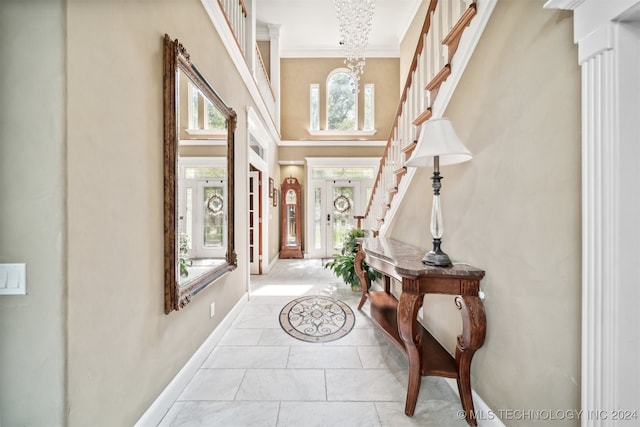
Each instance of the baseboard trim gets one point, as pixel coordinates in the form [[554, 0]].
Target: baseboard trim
[[484, 415], [163, 402], [273, 261]]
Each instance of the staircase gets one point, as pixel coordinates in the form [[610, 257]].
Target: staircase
[[449, 35]]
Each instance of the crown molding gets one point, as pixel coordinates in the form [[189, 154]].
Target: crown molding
[[333, 52], [563, 4], [332, 143]]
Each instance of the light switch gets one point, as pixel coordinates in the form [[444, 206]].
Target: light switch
[[13, 279]]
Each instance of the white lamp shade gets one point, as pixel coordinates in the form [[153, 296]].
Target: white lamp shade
[[438, 138]]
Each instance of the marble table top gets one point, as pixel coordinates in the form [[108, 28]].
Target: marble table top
[[407, 259]]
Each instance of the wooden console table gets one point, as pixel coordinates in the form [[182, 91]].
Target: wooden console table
[[398, 319]]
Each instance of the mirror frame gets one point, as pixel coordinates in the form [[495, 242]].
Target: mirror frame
[[176, 59]]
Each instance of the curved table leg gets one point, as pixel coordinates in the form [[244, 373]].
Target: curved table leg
[[408, 307], [473, 332]]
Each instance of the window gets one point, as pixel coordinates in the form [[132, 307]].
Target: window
[[314, 107], [342, 105], [368, 107], [214, 118], [256, 146], [343, 172], [199, 105], [318, 224], [193, 107]]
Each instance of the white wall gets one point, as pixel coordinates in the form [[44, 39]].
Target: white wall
[[628, 318]]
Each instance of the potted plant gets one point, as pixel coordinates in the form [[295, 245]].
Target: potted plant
[[183, 260], [343, 264]]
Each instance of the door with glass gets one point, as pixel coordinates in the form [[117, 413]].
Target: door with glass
[[209, 226], [342, 204], [202, 218], [338, 190], [336, 204]]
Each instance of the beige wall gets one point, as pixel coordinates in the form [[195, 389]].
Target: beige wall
[[32, 222], [122, 349], [514, 209], [297, 74], [274, 219], [297, 153]]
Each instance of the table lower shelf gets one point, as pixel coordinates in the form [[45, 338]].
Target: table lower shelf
[[436, 361]]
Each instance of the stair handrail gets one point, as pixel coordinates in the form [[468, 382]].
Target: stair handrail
[[431, 65]]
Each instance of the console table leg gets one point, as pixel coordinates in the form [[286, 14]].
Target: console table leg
[[463, 361], [473, 332], [362, 276], [408, 307]]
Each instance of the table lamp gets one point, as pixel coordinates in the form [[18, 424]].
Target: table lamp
[[438, 144]]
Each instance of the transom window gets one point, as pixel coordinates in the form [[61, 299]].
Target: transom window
[[343, 172]]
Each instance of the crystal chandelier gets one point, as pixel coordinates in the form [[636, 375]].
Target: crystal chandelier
[[354, 22]]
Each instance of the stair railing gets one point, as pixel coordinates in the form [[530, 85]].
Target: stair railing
[[444, 24]]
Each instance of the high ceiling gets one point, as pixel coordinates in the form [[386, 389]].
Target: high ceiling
[[309, 28]]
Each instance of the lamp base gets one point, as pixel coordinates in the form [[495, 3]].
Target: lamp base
[[436, 257]]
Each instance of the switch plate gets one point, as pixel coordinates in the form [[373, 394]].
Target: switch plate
[[13, 279], [212, 311]]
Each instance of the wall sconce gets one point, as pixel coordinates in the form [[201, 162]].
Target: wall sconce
[[438, 144]]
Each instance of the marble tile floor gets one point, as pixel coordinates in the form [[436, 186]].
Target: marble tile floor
[[258, 375]]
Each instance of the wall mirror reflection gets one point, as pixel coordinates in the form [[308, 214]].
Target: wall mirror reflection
[[198, 156]]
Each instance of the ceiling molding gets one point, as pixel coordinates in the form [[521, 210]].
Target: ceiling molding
[[342, 161], [331, 52], [333, 143], [563, 4]]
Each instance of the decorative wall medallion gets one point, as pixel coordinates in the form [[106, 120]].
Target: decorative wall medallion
[[317, 318]]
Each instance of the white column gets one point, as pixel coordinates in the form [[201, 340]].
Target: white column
[[599, 230], [608, 47]]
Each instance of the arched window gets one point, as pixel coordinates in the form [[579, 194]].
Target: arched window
[[342, 101]]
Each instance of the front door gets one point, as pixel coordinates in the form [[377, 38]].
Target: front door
[[341, 205], [211, 220]]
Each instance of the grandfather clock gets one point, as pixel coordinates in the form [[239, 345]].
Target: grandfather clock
[[291, 241]]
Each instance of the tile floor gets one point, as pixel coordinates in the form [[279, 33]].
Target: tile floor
[[258, 375]]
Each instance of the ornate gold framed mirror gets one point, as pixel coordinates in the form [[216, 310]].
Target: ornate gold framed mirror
[[198, 180]]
